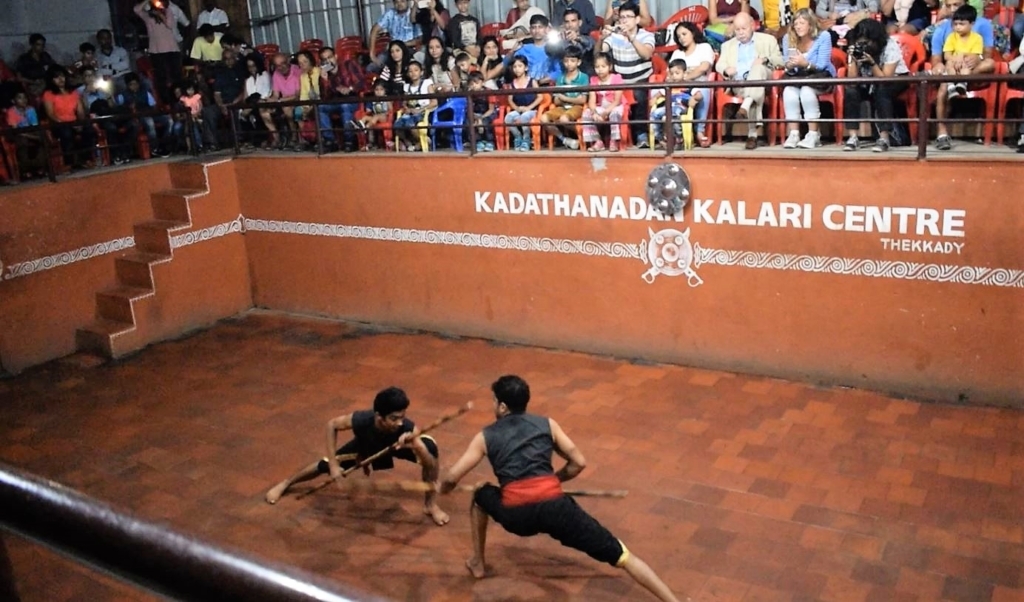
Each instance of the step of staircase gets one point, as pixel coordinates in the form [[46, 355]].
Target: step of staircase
[[136, 268], [173, 204], [116, 303], [154, 236], [99, 336]]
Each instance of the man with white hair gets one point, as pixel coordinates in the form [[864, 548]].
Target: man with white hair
[[749, 56]]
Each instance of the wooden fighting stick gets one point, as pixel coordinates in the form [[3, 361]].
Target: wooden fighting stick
[[387, 450], [420, 486]]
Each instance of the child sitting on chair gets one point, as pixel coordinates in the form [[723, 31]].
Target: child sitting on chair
[[681, 102], [483, 114], [603, 106], [376, 111], [415, 109]]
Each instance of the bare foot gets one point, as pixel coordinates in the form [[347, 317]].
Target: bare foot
[[440, 516], [476, 568], [276, 492]]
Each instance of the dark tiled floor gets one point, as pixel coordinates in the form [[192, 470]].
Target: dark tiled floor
[[741, 488]]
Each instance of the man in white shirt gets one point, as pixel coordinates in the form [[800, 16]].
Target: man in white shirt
[[214, 16], [112, 61]]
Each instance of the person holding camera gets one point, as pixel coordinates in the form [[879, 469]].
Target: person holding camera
[[541, 54], [573, 37], [749, 56], [163, 19], [631, 49], [872, 54]]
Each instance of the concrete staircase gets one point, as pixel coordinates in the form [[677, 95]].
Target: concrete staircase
[[116, 329]]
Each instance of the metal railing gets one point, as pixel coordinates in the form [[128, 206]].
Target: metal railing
[[152, 557], [920, 83]]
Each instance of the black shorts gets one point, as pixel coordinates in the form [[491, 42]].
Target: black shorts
[[561, 518], [385, 462]]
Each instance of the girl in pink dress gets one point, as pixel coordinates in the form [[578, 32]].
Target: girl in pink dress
[[603, 106]]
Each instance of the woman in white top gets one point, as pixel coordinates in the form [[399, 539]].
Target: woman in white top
[[257, 89], [872, 53], [439, 65], [699, 57]]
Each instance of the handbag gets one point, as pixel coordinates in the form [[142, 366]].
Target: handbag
[[807, 73]]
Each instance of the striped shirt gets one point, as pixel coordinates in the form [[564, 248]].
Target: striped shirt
[[628, 62]]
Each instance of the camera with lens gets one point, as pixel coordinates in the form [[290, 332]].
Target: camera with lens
[[859, 50]]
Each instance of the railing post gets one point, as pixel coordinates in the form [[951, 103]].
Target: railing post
[[670, 126], [471, 118], [234, 131], [922, 120], [47, 152], [316, 126], [8, 591]]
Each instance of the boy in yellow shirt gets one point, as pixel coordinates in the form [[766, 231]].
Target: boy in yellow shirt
[[962, 43]]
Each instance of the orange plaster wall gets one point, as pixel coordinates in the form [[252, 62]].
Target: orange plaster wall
[[40, 312], [941, 340]]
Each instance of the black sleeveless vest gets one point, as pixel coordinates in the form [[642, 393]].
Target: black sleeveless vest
[[519, 446]]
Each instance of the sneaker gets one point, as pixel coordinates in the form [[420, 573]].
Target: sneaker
[[881, 146], [571, 143], [811, 140], [641, 141], [1020, 144], [517, 143], [852, 144], [488, 146], [944, 142], [613, 146], [793, 139], [596, 147], [481, 146]]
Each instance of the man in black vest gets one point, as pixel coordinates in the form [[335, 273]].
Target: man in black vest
[[374, 430], [530, 499]]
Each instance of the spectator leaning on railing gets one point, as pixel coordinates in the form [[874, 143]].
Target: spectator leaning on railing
[[228, 89], [631, 49], [285, 84], [257, 93], [749, 56], [345, 78], [970, 64]]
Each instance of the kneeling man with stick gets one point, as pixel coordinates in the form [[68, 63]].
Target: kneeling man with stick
[[530, 500]]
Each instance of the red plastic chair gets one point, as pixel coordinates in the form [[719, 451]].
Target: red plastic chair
[[660, 66], [915, 56], [383, 127], [724, 99], [382, 44], [349, 47], [268, 50], [492, 29], [1006, 94], [698, 15]]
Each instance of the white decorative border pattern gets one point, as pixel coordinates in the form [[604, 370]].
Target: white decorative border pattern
[[17, 270], [900, 270], [442, 237], [190, 238]]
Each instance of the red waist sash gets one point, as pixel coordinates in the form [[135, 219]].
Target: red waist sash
[[531, 491]]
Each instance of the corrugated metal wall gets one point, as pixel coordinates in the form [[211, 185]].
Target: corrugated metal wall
[[329, 20]]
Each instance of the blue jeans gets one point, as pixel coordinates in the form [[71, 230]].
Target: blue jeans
[[700, 113], [658, 120], [347, 112]]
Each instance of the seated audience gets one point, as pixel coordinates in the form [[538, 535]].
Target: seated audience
[[611, 14], [309, 89], [700, 59], [207, 47], [191, 100], [463, 31], [439, 66], [30, 149], [407, 128], [872, 54], [491, 64], [567, 107], [32, 66], [112, 61], [63, 107], [376, 113], [137, 99], [584, 9], [544, 66], [257, 93], [604, 106], [98, 100], [345, 79], [214, 17], [631, 49], [969, 64], [573, 37], [779, 14], [906, 16], [808, 53], [398, 23], [749, 56], [484, 112], [285, 84], [432, 20], [681, 100], [843, 13], [228, 89], [242, 52], [86, 58], [393, 72], [522, 106]]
